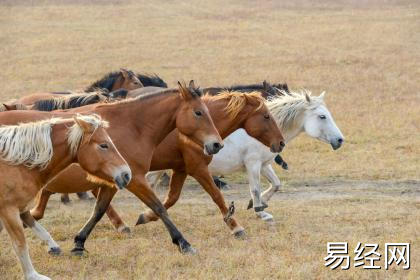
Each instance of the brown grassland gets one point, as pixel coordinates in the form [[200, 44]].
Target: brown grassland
[[364, 54]]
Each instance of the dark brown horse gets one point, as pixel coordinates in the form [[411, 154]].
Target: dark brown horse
[[137, 126]]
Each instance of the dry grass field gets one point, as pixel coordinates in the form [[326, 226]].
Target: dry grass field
[[364, 54]]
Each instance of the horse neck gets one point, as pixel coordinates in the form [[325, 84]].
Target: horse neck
[[291, 131], [62, 156], [224, 124], [153, 117]]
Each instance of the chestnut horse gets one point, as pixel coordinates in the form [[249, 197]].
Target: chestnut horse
[[229, 111], [33, 153], [137, 126]]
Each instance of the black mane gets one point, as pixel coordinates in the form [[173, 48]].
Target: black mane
[[105, 82], [68, 102], [151, 80]]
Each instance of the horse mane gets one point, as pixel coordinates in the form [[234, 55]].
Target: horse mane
[[287, 108], [30, 144], [237, 101], [106, 82], [151, 80], [70, 101]]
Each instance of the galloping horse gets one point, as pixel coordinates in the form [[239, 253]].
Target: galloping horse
[[294, 113], [31, 154], [138, 125], [229, 111]]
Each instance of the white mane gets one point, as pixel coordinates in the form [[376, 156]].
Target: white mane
[[288, 108], [30, 143]]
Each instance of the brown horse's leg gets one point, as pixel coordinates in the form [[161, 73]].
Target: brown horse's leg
[[83, 196], [41, 232], [175, 186], [113, 216], [65, 198], [206, 181], [141, 189], [41, 203], [14, 227], [102, 203]]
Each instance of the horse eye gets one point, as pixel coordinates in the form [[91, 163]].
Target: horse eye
[[198, 113], [322, 117], [267, 117], [104, 146]]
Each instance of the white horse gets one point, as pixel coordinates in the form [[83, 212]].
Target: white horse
[[294, 113]]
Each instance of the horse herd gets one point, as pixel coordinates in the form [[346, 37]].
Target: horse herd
[[126, 126]]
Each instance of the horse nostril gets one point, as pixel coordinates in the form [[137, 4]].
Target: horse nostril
[[217, 146], [126, 177], [282, 144], [340, 140]]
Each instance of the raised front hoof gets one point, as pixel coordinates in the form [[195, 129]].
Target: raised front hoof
[[55, 251], [240, 234], [79, 252], [124, 229], [37, 276]]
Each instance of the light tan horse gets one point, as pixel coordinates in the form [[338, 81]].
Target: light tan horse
[[31, 154]]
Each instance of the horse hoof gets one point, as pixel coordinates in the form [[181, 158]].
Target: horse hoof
[[79, 252], [250, 204], [54, 251], [240, 234], [124, 229], [141, 220], [185, 248]]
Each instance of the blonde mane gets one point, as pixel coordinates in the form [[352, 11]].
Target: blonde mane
[[30, 144], [237, 101], [287, 109]]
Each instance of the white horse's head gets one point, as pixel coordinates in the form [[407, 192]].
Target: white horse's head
[[319, 123]]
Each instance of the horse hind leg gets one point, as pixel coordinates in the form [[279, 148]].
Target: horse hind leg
[[13, 225], [41, 203], [275, 184], [41, 232], [65, 198], [253, 170]]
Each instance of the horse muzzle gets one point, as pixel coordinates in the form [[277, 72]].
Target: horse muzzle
[[336, 144], [277, 148], [212, 148], [123, 177]]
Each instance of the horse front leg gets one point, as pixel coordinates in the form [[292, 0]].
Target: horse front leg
[[139, 187], [113, 216], [14, 227], [41, 232], [203, 176], [41, 203], [253, 169], [175, 187], [102, 203], [275, 184]]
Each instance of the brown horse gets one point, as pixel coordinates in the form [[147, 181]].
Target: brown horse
[[123, 79], [137, 126], [32, 154], [229, 111]]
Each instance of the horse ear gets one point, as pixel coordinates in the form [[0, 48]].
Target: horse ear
[[191, 85], [308, 98], [87, 127], [125, 73], [183, 91], [9, 107], [322, 95]]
